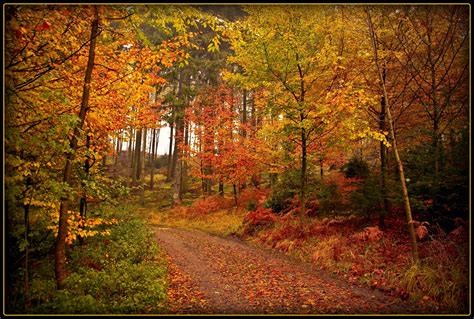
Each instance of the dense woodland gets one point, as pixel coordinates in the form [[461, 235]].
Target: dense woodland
[[340, 125]]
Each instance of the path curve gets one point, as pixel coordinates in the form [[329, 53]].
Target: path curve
[[215, 275]]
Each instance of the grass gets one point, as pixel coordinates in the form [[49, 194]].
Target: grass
[[220, 223]]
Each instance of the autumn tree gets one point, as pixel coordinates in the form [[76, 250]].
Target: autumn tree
[[299, 62], [406, 198], [70, 127]]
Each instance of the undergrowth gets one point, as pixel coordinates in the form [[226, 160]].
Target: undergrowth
[[439, 280], [118, 274]]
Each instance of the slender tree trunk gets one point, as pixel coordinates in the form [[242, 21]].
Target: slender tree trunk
[[178, 136], [436, 147], [170, 151], [184, 169], [83, 200], [114, 148], [253, 122], [383, 173], [303, 171], [234, 187], [434, 99], [406, 198], [120, 145], [60, 245], [131, 147], [27, 255], [157, 143], [151, 158], [131, 153], [221, 187], [143, 157], [117, 150], [137, 158], [244, 112]]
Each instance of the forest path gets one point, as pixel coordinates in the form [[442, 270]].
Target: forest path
[[210, 274]]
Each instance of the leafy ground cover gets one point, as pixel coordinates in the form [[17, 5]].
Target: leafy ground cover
[[124, 272]]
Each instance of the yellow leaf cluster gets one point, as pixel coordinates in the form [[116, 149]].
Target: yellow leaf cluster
[[78, 227]]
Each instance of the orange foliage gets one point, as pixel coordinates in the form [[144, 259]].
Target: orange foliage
[[209, 204], [248, 195], [260, 217]]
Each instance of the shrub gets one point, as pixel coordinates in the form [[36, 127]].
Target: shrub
[[356, 167], [119, 273], [284, 191], [258, 219], [252, 196], [367, 197], [280, 199], [251, 206], [210, 204], [329, 197]]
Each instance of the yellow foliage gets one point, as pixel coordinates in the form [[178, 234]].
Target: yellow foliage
[[78, 227]]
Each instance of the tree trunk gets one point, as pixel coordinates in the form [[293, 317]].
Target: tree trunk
[[406, 198], [234, 187], [83, 200], [131, 147], [303, 171], [137, 158], [170, 151], [184, 168], [151, 158], [178, 137], [221, 187], [143, 157], [157, 143], [117, 150], [27, 255], [60, 245], [131, 153], [177, 195], [244, 112], [383, 151], [174, 161]]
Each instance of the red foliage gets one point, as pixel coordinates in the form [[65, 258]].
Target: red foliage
[[210, 204], [290, 231], [260, 217], [248, 195], [44, 26]]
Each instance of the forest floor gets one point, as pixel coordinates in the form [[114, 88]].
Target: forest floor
[[212, 274]]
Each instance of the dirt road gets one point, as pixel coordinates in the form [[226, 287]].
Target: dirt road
[[217, 275]]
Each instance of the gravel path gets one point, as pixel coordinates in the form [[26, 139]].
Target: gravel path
[[214, 275]]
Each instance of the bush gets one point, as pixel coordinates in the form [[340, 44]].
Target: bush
[[284, 191], [210, 204], [356, 167], [115, 274], [367, 197], [258, 219], [329, 197], [251, 206]]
